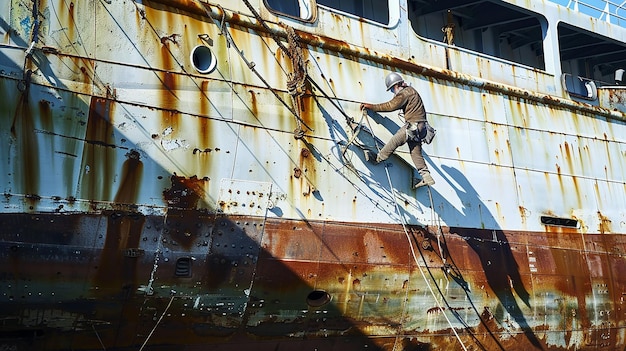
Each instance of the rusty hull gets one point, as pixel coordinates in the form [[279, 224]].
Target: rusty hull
[[197, 280]]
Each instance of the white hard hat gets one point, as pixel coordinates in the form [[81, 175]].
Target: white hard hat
[[392, 79]]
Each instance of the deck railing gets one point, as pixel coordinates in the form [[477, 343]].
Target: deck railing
[[605, 10]]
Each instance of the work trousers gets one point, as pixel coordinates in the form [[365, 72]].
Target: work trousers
[[397, 140]]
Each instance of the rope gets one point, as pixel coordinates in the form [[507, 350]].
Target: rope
[[355, 133], [296, 80], [408, 237], [439, 231], [98, 336], [295, 88], [448, 267], [251, 65], [261, 21], [157, 324]]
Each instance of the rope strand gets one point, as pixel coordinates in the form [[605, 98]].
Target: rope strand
[[157, 324], [406, 233]]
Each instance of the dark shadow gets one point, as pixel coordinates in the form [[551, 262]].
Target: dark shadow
[[117, 273], [348, 146], [491, 247], [362, 138]]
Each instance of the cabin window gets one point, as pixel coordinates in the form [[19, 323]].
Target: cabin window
[[588, 60], [373, 10], [300, 9], [493, 28]]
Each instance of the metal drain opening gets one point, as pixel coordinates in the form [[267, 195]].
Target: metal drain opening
[[317, 298]]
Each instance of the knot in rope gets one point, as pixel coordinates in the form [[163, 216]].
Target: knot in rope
[[296, 80]]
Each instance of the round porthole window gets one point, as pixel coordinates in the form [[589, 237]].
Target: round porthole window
[[202, 59]]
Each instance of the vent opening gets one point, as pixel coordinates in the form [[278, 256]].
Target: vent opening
[[183, 267], [559, 222]]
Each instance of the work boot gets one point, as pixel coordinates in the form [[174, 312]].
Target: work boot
[[426, 179]]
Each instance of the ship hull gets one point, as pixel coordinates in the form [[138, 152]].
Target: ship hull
[[182, 175], [208, 281]]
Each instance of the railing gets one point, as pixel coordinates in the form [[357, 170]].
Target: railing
[[606, 10]]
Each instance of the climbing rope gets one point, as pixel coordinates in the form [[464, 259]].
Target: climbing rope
[[452, 269], [296, 86], [408, 237], [251, 65], [296, 81], [447, 267], [355, 132], [157, 324], [261, 21]]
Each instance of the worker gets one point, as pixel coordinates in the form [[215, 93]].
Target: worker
[[414, 129]]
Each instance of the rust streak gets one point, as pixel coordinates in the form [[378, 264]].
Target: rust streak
[[348, 50], [23, 129], [98, 163], [115, 273], [130, 179]]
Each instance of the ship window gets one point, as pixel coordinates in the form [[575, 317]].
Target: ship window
[[493, 28], [559, 221], [588, 55], [300, 9], [202, 59], [373, 10]]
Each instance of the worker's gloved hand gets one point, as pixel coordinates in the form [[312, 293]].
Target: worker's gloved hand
[[366, 106]]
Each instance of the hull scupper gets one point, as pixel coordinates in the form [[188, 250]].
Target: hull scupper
[[191, 175]]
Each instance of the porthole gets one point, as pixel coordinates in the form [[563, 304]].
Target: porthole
[[202, 59], [317, 298]]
